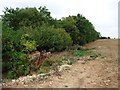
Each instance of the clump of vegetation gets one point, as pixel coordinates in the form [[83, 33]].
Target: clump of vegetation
[[70, 60], [28, 29], [52, 63], [80, 29], [52, 39], [94, 55], [104, 37], [16, 46], [79, 53]]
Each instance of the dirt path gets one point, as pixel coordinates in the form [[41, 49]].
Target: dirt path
[[99, 73]]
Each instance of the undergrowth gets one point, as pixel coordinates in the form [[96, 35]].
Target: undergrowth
[[52, 63]]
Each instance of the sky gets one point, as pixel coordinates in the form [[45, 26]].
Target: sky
[[103, 14]]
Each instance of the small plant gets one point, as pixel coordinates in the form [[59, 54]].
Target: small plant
[[95, 55], [43, 69], [50, 64], [69, 60], [79, 53]]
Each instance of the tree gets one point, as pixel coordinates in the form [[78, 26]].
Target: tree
[[17, 18], [68, 24], [87, 32]]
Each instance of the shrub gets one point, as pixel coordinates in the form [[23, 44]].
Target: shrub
[[52, 39], [28, 29], [79, 53], [16, 46], [103, 38]]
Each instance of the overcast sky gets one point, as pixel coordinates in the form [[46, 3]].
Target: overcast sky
[[102, 13]]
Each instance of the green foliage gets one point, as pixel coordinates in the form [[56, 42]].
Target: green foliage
[[104, 37], [29, 45], [28, 29], [80, 29], [86, 30], [15, 49], [19, 64], [53, 39], [79, 53], [17, 18], [70, 27], [94, 55], [69, 60]]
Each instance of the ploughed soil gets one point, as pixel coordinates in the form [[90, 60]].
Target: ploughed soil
[[102, 72]]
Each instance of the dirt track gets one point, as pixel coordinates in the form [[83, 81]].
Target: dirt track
[[99, 73]]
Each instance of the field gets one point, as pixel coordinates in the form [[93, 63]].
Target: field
[[98, 69]]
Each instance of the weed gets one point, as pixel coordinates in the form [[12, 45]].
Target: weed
[[79, 53], [71, 61], [94, 55], [50, 64], [68, 60]]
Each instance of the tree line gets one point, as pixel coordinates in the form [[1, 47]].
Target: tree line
[[25, 30]]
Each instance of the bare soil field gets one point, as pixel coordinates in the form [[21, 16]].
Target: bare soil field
[[99, 73]]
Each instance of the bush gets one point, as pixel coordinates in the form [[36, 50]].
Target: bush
[[79, 53], [103, 38], [28, 29], [52, 39], [16, 46]]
